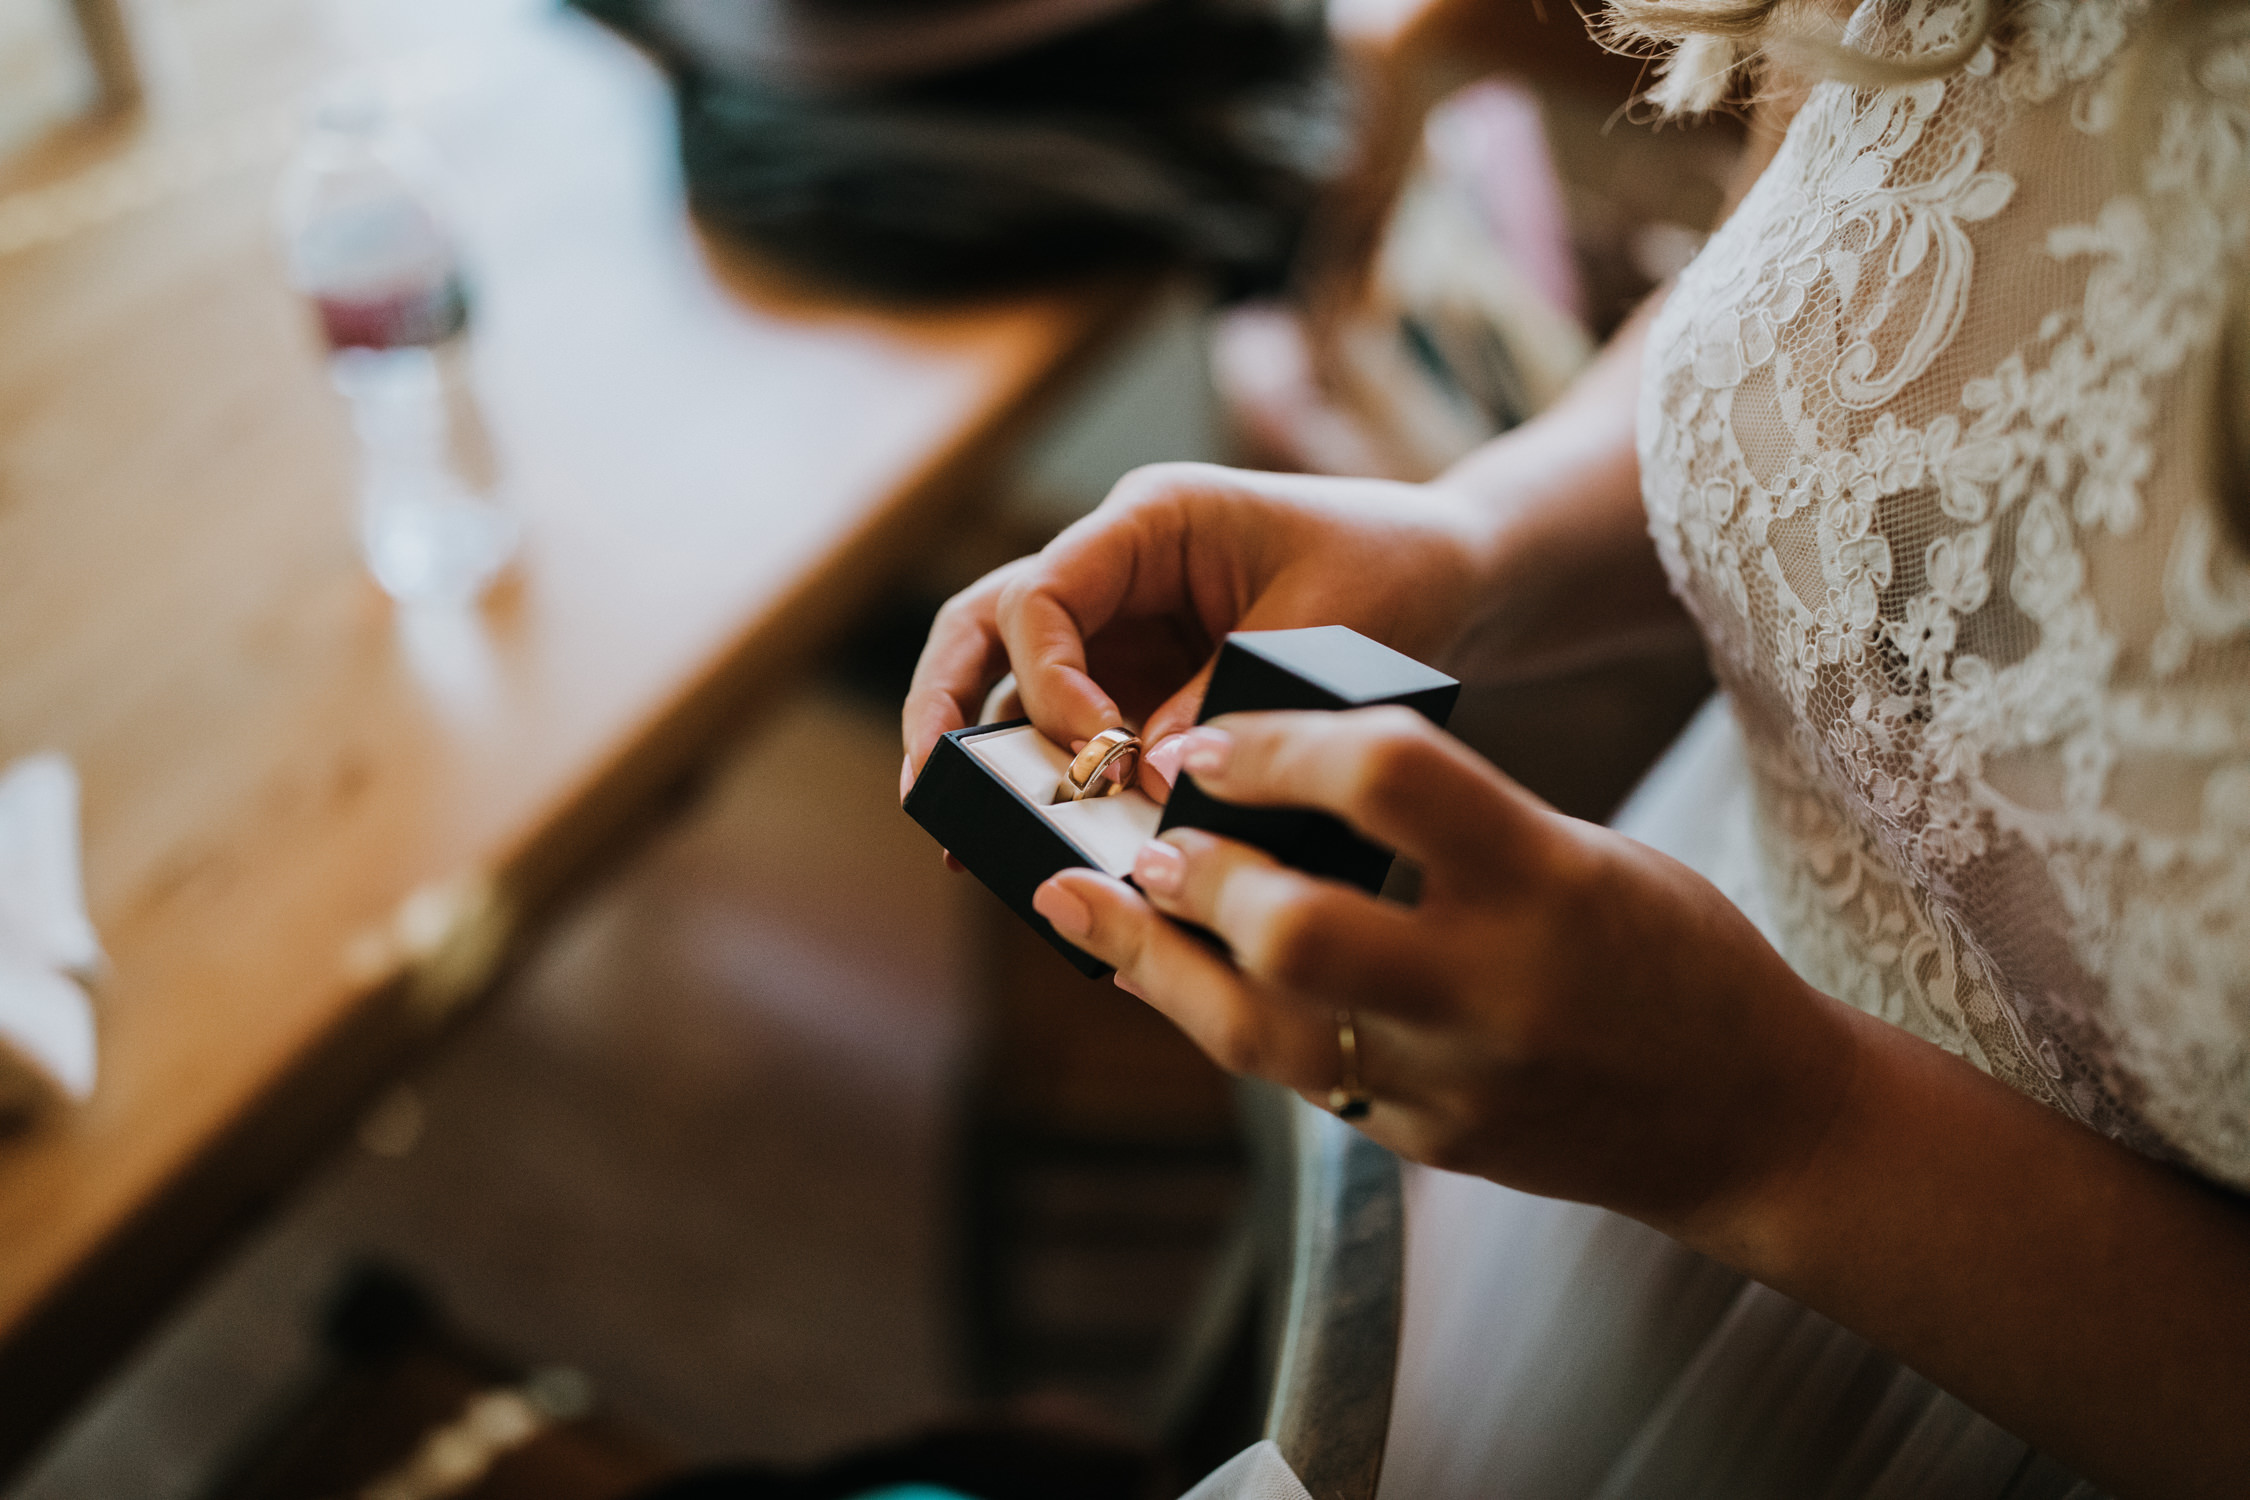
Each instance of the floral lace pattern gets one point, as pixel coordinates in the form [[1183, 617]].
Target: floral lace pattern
[[1923, 442]]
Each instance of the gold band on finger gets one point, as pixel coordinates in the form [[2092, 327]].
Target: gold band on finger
[[1088, 776], [1347, 1100]]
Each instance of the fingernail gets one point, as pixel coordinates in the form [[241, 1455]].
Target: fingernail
[[1128, 986], [905, 777], [1159, 868], [1207, 751], [953, 864], [1064, 912], [1164, 760], [1077, 745]]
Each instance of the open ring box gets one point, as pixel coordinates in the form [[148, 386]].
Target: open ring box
[[988, 793]]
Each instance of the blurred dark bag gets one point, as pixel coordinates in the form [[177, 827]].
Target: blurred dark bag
[[927, 150]]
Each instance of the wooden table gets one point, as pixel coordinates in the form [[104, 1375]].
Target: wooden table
[[312, 824]]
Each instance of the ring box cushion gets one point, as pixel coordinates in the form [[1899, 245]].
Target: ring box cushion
[[986, 793]]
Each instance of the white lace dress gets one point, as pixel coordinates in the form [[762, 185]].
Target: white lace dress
[[1925, 445]]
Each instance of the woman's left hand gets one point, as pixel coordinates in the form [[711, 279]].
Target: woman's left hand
[[1565, 1010]]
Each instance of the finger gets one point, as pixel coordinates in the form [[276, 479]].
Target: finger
[[1178, 713], [1243, 1028], [961, 659], [1045, 641], [1389, 772], [1127, 556], [1160, 766], [1309, 937]]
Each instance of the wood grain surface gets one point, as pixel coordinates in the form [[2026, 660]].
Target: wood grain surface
[[313, 822]]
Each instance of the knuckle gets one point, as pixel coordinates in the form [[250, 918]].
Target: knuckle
[[1014, 589], [1159, 483], [974, 597], [1237, 1042], [1292, 942], [1396, 721], [1203, 863], [1157, 478], [1398, 757], [965, 609], [1124, 930], [1138, 487], [950, 616], [1582, 887]]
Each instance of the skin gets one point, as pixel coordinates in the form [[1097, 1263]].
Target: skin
[[1566, 1011]]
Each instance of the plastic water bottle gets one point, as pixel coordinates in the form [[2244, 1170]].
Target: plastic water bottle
[[369, 248]]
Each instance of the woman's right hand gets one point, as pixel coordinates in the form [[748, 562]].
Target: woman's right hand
[[1117, 621]]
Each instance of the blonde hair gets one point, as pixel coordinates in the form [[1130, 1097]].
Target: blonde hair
[[1712, 51]]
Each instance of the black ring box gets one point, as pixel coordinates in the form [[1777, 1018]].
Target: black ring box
[[982, 792]]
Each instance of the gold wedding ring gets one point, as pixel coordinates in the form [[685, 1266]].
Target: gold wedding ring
[[1347, 1100], [1088, 776]]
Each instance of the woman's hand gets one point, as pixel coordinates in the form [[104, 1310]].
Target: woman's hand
[[1532, 551], [1573, 1014], [1565, 1011], [1137, 596]]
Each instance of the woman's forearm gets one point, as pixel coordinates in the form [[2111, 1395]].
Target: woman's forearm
[[1569, 573], [2089, 1300]]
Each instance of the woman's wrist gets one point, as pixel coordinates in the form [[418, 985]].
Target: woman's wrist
[[1506, 604], [1563, 574], [1484, 534], [1565, 565], [1771, 1219]]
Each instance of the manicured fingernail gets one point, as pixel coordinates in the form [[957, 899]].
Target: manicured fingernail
[[953, 864], [1159, 868], [1128, 986], [905, 777], [1164, 760], [1207, 752], [1066, 913]]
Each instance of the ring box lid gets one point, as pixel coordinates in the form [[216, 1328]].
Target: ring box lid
[[1321, 667]]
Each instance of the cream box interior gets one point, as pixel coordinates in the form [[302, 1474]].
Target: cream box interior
[[988, 795], [1109, 830]]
